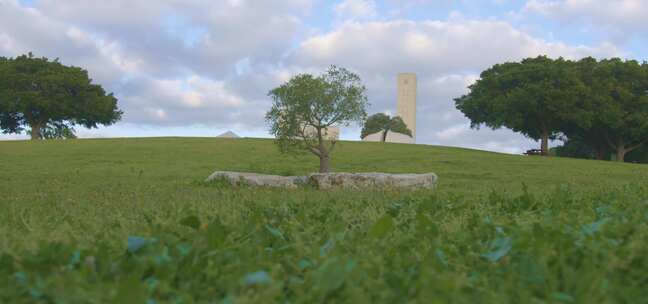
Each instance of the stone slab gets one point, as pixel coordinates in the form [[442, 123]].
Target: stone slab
[[330, 180], [255, 179], [372, 180]]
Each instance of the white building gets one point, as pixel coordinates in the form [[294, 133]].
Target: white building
[[392, 137], [330, 133]]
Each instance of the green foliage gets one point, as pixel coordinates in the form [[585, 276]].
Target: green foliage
[[536, 97], [639, 155], [601, 103], [381, 122], [383, 226], [51, 98], [575, 148], [306, 107], [584, 247], [116, 219], [620, 97], [191, 221], [56, 131]]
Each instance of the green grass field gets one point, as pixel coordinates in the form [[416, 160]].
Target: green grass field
[[131, 221]]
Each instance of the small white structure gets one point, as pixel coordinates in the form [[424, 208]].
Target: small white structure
[[228, 134], [392, 137], [406, 106], [330, 133]]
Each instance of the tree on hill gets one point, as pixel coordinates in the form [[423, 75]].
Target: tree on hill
[[591, 137], [56, 131], [8, 118], [575, 148], [381, 122], [306, 107], [536, 97], [49, 97], [639, 155], [582, 131], [619, 92]]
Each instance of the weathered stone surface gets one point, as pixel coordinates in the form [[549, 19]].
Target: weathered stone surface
[[330, 180], [254, 179], [372, 180]]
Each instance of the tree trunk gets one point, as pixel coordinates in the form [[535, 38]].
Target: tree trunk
[[544, 145], [323, 153], [600, 153], [621, 150], [325, 164], [620, 153], [384, 136], [35, 131]]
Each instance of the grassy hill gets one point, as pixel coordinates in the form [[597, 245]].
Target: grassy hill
[[172, 161], [80, 218]]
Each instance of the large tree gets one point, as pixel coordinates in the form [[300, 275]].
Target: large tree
[[583, 129], [576, 148], [619, 91], [43, 94], [306, 107], [8, 118], [536, 97], [381, 122], [639, 155]]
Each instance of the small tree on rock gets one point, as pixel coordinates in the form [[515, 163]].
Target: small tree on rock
[[50, 98], [381, 122], [306, 107]]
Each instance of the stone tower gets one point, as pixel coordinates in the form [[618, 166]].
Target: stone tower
[[407, 101]]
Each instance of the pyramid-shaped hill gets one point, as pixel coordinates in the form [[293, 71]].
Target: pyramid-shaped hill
[[228, 134]]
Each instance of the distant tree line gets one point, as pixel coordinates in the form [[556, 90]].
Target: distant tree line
[[600, 108]]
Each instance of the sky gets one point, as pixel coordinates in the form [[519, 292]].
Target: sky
[[200, 68]]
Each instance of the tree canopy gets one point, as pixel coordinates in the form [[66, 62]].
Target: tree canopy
[[603, 104], [47, 96], [619, 92], [306, 107], [535, 97], [381, 122], [613, 113]]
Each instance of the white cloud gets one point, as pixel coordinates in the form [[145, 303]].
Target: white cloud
[[619, 16], [447, 56], [204, 91], [356, 9], [169, 37], [174, 102], [452, 132], [7, 44], [195, 65], [433, 46], [158, 78]]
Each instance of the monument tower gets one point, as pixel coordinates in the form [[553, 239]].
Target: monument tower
[[406, 106]]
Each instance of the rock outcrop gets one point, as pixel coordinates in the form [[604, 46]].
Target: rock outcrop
[[330, 180], [372, 180], [254, 179]]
